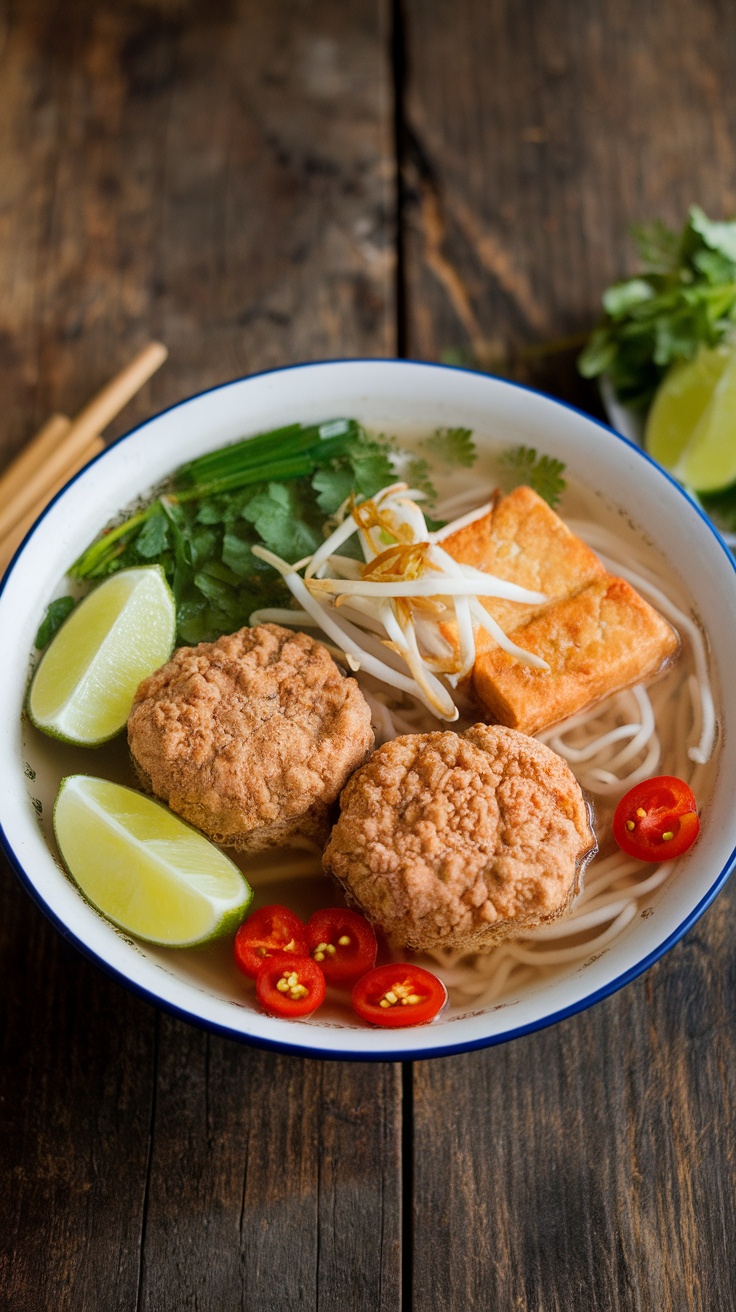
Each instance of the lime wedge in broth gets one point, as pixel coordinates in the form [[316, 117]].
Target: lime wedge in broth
[[143, 867], [84, 687], [681, 401]]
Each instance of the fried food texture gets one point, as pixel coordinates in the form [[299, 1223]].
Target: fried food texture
[[595, 632], [456, 841], [250, 738]]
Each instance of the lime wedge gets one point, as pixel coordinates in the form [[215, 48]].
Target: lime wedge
[[84, 687], [708, 462], [680, 404], [143, 867]]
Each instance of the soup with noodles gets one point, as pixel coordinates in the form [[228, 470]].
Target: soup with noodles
[[667, 726]]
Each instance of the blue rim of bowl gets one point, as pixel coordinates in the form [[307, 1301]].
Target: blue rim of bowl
[[446, 1050]]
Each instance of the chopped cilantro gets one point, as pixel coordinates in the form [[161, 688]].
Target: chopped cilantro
[[542, 473]]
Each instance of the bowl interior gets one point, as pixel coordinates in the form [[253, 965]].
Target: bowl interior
[[629, 492]]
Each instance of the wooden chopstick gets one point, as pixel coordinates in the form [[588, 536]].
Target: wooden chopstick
[[14, 478], [49, 457], [13, 539]]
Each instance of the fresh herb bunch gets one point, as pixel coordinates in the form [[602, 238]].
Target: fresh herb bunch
[[684, 298], [276, 489]]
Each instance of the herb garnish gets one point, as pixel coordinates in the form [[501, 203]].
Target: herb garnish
[[542, 473], [56, 612], [451, 446], [684, 298], [276, 490]]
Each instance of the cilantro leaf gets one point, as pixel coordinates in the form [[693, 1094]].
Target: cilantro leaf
[[275, 516], [372, 468], [203, 542], [56, 612], [542, 473], [451, 446], [153, 538], [333, 486], [237, 555], [417, 475]]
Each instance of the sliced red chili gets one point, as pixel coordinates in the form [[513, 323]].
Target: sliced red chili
[[398, 995], [269, 930], [342, 943], [657, 819], [289, 986]]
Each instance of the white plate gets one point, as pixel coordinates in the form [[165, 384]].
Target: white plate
[[204, 987]]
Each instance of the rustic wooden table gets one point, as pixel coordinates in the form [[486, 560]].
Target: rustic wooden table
[[261, 183]]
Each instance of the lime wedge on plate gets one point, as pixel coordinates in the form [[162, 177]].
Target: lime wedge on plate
[[708, 462], [143, 867], [84, 687], [681, 401]]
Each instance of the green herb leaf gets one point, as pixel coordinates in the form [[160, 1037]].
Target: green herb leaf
[[452, 446], [598, 355], [56, 612], [542, 473], [153, 538], [275, 516], [417, 474], [718, 236], [623, 296], [237, 555], [333, 486]]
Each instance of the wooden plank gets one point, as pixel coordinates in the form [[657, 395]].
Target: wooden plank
[[273, 1181], [76, 1073], [218, 175], [590, 1165], [181, 171], [534, 141]]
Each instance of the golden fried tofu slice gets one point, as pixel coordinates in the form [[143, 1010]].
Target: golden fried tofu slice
[[522, 540], [596, 642]]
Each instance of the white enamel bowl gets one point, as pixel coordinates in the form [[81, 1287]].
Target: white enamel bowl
[[203, 986]]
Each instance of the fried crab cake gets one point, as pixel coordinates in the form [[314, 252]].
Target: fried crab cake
[[250, 738], [456, 841]]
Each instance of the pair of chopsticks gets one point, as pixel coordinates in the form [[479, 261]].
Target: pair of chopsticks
[[61, 448]]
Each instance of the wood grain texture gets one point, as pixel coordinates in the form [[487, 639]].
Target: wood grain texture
[[274, 1181], [536, 135], [590, 1166], [219, 175], [593, 1165]]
